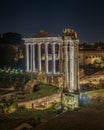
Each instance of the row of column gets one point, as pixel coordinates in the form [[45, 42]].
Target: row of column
[[68, 61], [30, 58]]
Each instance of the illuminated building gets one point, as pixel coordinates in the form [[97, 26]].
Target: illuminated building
[[55, 56]]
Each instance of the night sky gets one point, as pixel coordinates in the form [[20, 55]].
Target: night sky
[[27, 17]]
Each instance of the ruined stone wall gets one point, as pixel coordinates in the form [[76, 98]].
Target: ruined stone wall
[[42, 103], [92, 98], [88, 57], [55, 80]]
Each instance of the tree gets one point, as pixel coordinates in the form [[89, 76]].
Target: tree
[[102, 59], [7, 55], [98, 61], [12, 38]]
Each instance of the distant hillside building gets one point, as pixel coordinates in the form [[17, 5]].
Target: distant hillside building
[[91, 53]]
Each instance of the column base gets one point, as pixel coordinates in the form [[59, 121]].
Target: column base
[[70, 101]]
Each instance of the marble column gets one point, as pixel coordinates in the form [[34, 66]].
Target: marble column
[[39, 56], [60, 58], [31, 57], [65, 65], [34, 58], [46, 58], [72, 66], [27, 57], [76, 65], [68, 58], [53, 59]]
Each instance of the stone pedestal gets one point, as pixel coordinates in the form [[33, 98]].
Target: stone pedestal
[[70, 101]]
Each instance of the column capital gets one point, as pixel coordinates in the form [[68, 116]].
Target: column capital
[[54, 43], [46, 43], [27, 44], [59, 43], [39, 43], [34, 43]]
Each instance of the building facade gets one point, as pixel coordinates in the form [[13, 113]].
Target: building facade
[[90, 56]]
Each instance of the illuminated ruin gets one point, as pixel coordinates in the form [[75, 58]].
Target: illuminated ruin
[[55, 56]]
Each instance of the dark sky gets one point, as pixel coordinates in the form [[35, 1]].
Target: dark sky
[[27, 17]]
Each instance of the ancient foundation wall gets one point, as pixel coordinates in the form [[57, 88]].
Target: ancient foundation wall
[[92, 98]]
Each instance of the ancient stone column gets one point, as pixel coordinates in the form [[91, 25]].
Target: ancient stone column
[[53, 59], [71, 66], [70, 98], [39, 56], [65, 65], [27, 57], [60, 59], [33, 49], [31, 57], [70, 39], [74, 65], [46, 58]]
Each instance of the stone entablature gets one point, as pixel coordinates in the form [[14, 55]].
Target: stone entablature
[[43, 40]]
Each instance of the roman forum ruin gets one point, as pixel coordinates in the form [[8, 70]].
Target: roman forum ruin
[[55, 56]]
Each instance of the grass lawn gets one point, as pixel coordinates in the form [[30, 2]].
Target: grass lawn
[[43, 90], [31, 116]]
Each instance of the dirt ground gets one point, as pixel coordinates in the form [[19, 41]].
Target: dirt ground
[[81, 119]]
